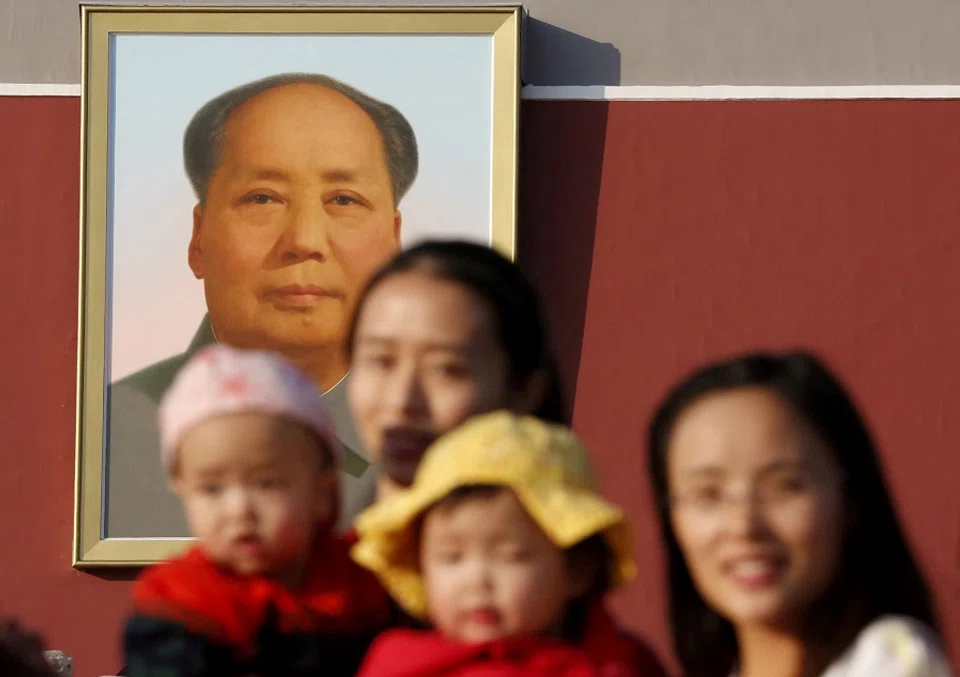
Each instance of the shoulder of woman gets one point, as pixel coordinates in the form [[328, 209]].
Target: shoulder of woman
[[894, 646]]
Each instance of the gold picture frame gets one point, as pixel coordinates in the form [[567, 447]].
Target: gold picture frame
[[102, 28]]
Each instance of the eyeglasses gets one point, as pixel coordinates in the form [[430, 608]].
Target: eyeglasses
[[771, 492]]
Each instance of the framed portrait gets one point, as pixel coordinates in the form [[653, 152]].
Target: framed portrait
[[244, 172]]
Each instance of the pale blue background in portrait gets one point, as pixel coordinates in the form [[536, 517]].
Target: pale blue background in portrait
[[442, 84]]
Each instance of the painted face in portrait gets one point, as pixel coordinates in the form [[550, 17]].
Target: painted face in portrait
[[758, 508], [298, 214]]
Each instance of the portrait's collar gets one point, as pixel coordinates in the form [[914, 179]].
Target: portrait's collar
[[337, 384], [206, 334]]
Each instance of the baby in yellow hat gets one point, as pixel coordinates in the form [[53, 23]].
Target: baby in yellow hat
[[503, 544]]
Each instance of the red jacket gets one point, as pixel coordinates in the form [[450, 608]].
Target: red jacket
[[191, 617], [607, 642], [413, 653], [605, 652]]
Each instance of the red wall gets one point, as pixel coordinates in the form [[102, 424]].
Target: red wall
[[725, 226], [662, 234], [39, 217]]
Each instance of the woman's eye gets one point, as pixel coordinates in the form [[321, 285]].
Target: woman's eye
[[210, 489], [706, 496], [784, 486], [453, 369], [379, 360]]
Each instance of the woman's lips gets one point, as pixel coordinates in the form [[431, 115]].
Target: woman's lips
[[755, 572], [406, 444]]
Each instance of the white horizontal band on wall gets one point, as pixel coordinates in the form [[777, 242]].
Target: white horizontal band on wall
[[643, 92], [30, 89], [738, 92]]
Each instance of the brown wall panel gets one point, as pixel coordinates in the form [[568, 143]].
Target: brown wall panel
[[662, 234]]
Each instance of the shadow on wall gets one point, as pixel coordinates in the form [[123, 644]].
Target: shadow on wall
[[561, 159], [554, 56]]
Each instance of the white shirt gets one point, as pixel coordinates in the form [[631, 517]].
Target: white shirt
[[892, 646]]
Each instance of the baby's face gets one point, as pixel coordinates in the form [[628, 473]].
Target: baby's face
[[490, 572], [254, 488]]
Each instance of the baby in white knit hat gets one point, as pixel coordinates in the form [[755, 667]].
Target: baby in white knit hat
[[252, 453], [269, 588]]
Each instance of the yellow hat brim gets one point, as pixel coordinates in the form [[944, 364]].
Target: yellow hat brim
[[567, 515]]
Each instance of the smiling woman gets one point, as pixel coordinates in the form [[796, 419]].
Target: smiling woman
[[785, 554]]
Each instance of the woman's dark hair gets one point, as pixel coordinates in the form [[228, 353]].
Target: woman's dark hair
[[877, 572], [509, 296]]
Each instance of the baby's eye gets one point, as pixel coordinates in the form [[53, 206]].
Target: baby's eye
[[515, 554], [269, 482], [447, 556], [210, 488]]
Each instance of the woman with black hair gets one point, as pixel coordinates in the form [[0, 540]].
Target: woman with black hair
[[785, 555], [444, 331]]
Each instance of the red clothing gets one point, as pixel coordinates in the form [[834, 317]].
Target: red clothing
[[412, 653], [188, 613], [606, 652], [605, 641], [336, 594]]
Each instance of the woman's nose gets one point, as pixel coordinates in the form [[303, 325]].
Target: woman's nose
[[406, 394], [745, 516]]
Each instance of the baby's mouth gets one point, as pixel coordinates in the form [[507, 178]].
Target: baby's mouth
[[248, 544], [484, 616]]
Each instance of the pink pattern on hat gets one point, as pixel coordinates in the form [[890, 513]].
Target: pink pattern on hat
[[221, 380]]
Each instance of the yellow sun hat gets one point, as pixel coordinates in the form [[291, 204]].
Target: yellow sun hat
[[544, 464]]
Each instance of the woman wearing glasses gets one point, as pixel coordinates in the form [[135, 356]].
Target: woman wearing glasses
[[785, 556]]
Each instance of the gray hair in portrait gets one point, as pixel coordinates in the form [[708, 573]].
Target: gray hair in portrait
[[203, 138]]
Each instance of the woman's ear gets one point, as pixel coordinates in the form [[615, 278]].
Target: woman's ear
[[530, 395], [851, 515]]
